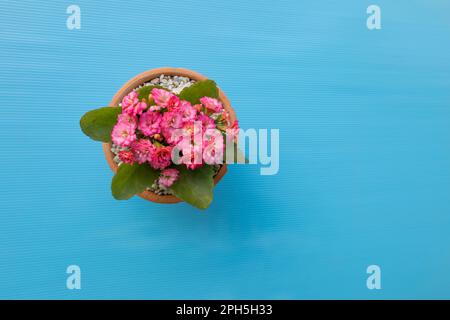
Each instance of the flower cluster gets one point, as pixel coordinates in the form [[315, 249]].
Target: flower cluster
[[158, 129]]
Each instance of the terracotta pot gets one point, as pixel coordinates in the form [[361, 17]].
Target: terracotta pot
[[145, 77]]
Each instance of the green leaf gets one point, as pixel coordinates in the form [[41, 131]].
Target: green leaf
[[200, 89], [98, 124], [144, 92], [195, 186], [132, 179]]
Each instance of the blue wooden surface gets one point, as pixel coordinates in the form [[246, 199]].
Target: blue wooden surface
[[364, 119]]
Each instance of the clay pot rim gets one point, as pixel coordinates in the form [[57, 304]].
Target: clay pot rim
[[143, 78]]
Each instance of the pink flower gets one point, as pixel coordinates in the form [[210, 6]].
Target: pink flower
[[161, 157], [213, 147], [168, 177], [149, 123], [163, 98], [212, 104], [173, 103], [142, 150], [188, 128], [139, 108], [233, 131], [131, 104], [171, 121], [207, 122], [183, 140], [193, 166], [187, 111], [127, 119], [123, 134], [126, 156], [130, 99], [192, 156]]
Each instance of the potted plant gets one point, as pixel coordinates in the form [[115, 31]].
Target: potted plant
[[160, 136]]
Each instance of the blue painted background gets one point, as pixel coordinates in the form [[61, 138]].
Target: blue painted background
[[364, 119]]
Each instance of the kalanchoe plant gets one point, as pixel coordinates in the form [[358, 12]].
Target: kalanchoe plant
[[166, 139]]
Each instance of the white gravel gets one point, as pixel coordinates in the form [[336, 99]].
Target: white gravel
[[174, 83]]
